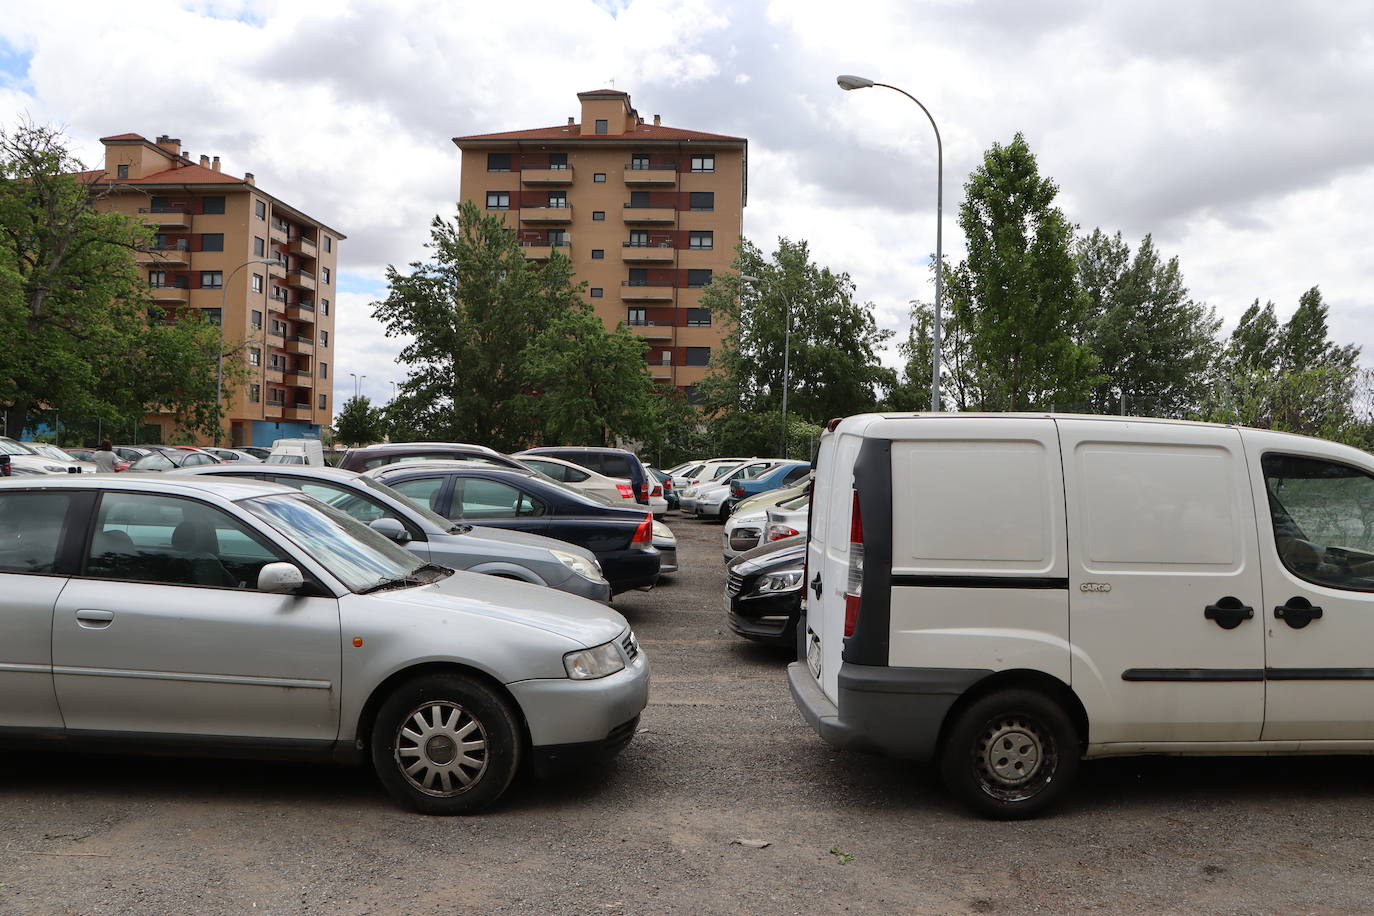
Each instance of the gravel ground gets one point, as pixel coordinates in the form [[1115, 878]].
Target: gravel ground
[[722, 756]]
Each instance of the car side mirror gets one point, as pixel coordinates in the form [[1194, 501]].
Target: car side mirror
[[390, 528], [280, 579]]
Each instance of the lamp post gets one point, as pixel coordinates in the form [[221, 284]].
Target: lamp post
[[219, 361], [786, 354], [393, 390], [847, 83], [357, 383]]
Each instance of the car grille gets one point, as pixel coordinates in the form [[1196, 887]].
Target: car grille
[[734, 583], [630, 646]]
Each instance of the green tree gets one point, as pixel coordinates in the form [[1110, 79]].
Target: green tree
[[1154, 343], [833, 364], [1016, 294], [80, 334], [359, 423]]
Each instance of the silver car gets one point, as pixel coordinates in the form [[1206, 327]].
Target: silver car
[[511, 554], [242, 617]]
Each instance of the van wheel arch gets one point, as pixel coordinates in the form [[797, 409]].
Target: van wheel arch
[[1039, 681]]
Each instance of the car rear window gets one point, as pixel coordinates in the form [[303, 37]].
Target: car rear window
[[612, 465]]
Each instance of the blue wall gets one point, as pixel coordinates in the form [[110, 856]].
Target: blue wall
[[265, 432]]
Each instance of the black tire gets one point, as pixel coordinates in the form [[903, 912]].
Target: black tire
[[1010, 754], [452, 709], [723, 515]]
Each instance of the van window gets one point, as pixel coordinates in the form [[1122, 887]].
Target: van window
[[610, 465], [1323, 519]]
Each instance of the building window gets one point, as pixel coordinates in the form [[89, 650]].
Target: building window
[[698, 356], [278, 329], [693, 395], [212, 205], [157, 279], [260, 209], [703, 163], [701, 239], [697, 278], [558, 238], [698, 318], [324, 274], [558, 161], [703, 200], [324, 304], [259, 247], [639, 162], [256, 320], [213, 317], [602, 126], [639, 238], [558, 199], [498, 162], [324, 370], [598, 216], [254, 356], [498, 200], [598, 254], [212, 241], [254, 394], [639, 199], [328, 244], [324, 338], [595, 292], [322, 402], [599, 177], [211, 279], [121, 171], [257, 283], [639, 276], [638, 317]]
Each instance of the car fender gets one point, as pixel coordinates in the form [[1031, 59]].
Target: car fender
[[508, 570]]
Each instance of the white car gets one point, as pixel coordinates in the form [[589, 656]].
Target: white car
[[615, 490], [745, 528], [233, 455], [713, 499], [25, 460], [703, 477]]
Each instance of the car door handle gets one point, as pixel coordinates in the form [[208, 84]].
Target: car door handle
[[94, 620], [1229, 613], [816, 585], [1298, 612]]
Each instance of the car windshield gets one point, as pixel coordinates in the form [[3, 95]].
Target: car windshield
[[356, 555], [157, 461], [798, 503], [50, 451], [10, 447], [428, 514]]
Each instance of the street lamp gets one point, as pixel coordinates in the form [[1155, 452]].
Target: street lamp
[[357, 383], [393, 389], [847, 83], [786, 375], [219, 362]]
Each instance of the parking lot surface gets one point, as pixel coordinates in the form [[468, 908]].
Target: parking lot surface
[[726, 802]]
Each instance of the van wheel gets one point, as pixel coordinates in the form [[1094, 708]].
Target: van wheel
[[1010, 754], [445, 744]]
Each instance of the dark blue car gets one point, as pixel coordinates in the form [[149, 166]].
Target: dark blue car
[[784, 475], [621, 538]]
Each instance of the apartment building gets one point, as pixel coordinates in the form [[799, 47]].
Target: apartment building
[[260, 268], [646, 212]]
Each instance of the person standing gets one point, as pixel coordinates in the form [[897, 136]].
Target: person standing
[[105, 459]]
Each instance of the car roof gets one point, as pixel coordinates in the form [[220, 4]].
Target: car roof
[[280, 470], [180, 484], [598, 449], [441, 465], [381, 446]]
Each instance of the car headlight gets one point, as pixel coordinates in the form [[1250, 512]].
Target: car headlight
[[663, 531], [589, 664], [783, 581], [587, 569]]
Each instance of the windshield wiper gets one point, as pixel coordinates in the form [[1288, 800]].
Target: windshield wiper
[[390, 582]]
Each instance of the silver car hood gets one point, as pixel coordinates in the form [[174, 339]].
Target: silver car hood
[[524, 539], [473, 594]]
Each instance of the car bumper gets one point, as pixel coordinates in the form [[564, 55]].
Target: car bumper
[[709, 506], [668, 560], [687, 504], [562, 712], [768, 619], [627, 569], [596, 590]]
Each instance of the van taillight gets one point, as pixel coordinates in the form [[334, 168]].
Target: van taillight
[[854, 581], [644, 534]]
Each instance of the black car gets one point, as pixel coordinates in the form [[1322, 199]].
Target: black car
[[373, 456], [613, 462], [764, 591], [621, 538]]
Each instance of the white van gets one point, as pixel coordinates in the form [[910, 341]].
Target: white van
[[297, 451], [1005, 594]]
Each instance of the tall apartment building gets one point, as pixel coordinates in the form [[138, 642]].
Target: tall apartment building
[[647, 213], [214, 231]]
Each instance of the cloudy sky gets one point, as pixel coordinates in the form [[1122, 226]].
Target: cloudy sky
[[1239, 133]]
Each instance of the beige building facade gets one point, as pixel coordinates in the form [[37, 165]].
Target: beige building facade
[[647, 213], [214, 231]]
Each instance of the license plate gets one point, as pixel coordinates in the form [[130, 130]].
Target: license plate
[[813, 654]]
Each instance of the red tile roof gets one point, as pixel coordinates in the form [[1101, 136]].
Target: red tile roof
[[573, 132], [187, 174], [125, 137]]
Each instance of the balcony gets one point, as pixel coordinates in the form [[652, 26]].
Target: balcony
[[554, 176], [273, 375], [659, 371], [301, 378], [167, 217], [561, 214], [662, 252], [300, 279], [302, 310], [178, 256], [540, 249], [651, 331], [169, 295], [649, 215], [298, 412], [654, 174], [277, 302], [305, 346], [280, 232], [277, 268], [303, 247], [632, 291]]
